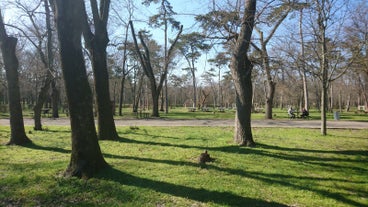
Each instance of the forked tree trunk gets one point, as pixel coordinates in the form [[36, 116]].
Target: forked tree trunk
[[86, 157], [8, 50], [241, 69], [96, 44]]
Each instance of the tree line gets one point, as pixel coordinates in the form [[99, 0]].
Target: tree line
[[67, 59]]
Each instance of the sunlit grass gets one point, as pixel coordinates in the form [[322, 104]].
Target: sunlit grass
[[157, 166], [214, 113]]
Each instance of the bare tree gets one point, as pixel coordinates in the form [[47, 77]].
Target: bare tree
[[35, 34], [8, 49], [145, 60], [274, 19]]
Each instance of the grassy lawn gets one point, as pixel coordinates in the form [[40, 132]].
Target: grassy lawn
[[157, 166], [183, 113]]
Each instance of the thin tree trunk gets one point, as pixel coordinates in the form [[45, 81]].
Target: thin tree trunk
[[42, 96], [304, 75], [121, 95], [122, 84], [324, 67], [55, 99]]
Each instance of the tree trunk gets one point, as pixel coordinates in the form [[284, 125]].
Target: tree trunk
[[106, 124], [96, 44], [122, 84], [241, 69], [121, 95], [42, 96], [324, 67], [270, 86], [269, 98], [155, 97], [194, 88], [86, 157], [8, 49], [304, 74], [55, 99]]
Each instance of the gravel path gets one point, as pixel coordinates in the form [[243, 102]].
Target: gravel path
[[255, 123]]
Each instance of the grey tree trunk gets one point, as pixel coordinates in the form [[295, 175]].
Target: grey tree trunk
[[8, 50], [96, 44], [241, 69], [324, 65]]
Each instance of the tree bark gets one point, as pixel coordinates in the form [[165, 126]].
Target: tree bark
[[241, 69], [8, 50], [96, 44], [86, 157], [106, 124], [324, 65], [42, 96], [55, 99]]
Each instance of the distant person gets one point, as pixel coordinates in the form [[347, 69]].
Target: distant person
[[291, 113], [305, 113]]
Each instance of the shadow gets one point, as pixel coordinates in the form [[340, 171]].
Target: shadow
[[197, 194], [227, 170], [52, 149], [344, 152], [235, 149], [270, 178], [163, 144]]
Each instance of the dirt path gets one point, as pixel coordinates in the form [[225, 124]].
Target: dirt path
[[255, 123]]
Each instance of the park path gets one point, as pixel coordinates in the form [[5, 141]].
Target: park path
[[335, 124]]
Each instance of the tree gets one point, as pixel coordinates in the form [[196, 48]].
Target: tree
[[124, 70], [276, 16], [241, 69], [96, 44], [220, 61], [8, 49], [86, 157], [190, 46], [145, 60], [356, 43], [35, 34], [328, 57], [224, 25], [164, 18]]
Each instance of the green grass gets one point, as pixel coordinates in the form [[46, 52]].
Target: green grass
[[157, 166], [182, 113]]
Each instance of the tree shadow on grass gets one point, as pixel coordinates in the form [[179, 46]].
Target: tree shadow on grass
[[52, 149], [344, 152], [316, 160], [270, 178], [200, 195]]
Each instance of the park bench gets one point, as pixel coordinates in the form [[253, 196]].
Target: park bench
[[191, 109]]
